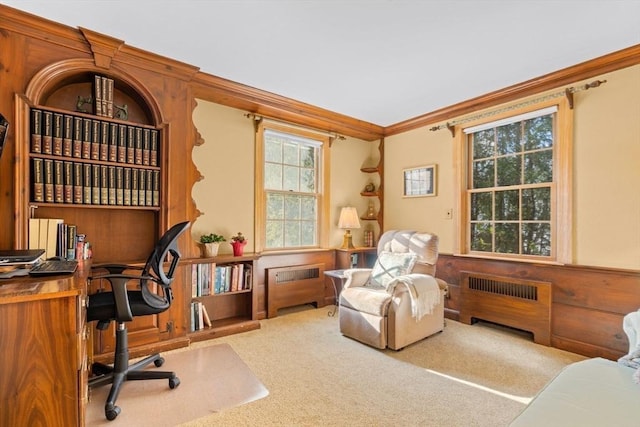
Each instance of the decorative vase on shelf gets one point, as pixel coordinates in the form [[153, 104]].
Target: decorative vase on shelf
[[238, 247], [210, 249]]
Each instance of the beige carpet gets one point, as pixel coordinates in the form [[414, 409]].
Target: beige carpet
[[212, 379], [469, 375]]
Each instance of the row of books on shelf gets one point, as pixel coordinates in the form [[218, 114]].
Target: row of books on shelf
[[68, 135], [212, 279], [58, 239], [200, 318], [57, 181]]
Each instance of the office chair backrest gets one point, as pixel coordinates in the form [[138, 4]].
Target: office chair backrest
[[167, 245]]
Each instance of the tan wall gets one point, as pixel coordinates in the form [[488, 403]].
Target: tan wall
[[606, 187], [226, 160]]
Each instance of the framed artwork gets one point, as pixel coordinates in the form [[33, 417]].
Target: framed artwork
[[420, 181]]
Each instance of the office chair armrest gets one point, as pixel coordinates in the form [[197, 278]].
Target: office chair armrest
[[118, 284], [115, 268]]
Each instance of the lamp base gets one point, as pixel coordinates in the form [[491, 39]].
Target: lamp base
[[347, 241]]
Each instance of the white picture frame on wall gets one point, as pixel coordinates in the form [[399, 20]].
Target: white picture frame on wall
[[420, 181]]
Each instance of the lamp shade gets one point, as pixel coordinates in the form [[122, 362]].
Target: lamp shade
[[348, 218]]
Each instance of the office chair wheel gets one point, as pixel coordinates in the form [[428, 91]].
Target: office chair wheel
[[159, 362], [111, 412], [174, 382]]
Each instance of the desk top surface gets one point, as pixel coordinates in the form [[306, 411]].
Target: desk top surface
[[27, 288]]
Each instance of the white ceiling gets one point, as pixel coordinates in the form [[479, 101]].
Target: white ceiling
[[381, 61]]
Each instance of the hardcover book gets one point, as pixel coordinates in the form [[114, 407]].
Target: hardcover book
[[67, 135], [57, 134], [104, 185], [131, 142], [58, 181], [86, 184], [134, 187], [68, 182], [36, 130], [95, 139], [48, 181], [77, 137], [138, 146], [119, 186], [153, 152], [95, 184], [146, 146], [142, 187], [126, 199], [113, 182], [78, 190], [97, 95], [113, 142], [47, 132], [86, 138], [104, 141], [122, 143], [38, 180]]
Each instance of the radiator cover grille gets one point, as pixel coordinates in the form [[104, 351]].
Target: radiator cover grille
[[294, 275], [504, 287]]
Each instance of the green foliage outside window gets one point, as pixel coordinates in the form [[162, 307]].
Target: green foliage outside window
[[511, 188]]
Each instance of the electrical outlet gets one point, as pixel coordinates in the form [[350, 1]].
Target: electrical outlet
[[448, 214]]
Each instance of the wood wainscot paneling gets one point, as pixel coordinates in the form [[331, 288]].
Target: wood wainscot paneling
[[588, 303]]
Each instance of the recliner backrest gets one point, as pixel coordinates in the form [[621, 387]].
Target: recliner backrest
[[423, 244]]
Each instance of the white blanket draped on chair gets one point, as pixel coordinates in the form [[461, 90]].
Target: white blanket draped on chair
[[424, 292]]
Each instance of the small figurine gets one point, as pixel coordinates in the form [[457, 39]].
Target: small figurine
[[370, 188]]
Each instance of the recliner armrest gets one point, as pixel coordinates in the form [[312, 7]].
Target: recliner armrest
[[356, 277]]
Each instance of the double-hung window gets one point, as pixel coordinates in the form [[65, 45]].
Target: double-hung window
[[290, 198], [517, 186]]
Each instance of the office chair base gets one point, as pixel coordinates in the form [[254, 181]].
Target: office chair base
[[121, 372]]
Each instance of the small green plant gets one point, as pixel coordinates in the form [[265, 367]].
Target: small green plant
[[212, 238]]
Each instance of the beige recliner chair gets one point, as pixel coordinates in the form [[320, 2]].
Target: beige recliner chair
[[398, 301]]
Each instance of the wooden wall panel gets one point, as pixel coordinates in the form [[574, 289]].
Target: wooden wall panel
[[588, 303]]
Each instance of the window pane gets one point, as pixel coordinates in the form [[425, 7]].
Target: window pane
[[536, 239], [481, 206], [308, 208], [275, 206], [538, 167], [483, 174], [290, 154], [307, 157], [509, 137], [481, 237], [507, 240], [536, 204], [273, 151], [274, 234], [538, 133], [292, 234], [307, 181], [509, 171], [292, 207], [308, 237], [507, 205], [483, 143], [291, 179], [272, 176]]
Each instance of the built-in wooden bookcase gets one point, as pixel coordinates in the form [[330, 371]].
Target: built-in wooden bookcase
[[119, 228], [230, 304]]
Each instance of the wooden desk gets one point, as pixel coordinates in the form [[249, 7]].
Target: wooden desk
[[43, 350]]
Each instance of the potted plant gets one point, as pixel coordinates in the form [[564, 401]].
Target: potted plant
[[210, 244], [237, 243]]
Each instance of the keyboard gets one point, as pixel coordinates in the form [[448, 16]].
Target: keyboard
[[51, 267]]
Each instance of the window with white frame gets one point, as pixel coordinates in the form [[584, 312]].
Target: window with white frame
[[517, 194], [291, 193]]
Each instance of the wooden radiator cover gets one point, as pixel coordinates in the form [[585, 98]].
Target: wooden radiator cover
[[294, 285], [518, 303]]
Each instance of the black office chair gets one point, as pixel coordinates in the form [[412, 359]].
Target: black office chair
[[122, 305]]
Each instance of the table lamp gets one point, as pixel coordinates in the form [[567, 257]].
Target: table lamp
[[348, 220]]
